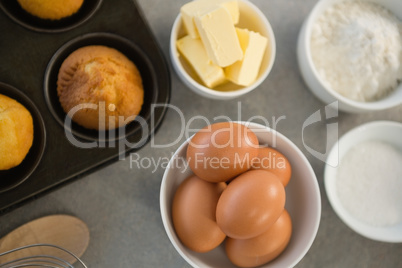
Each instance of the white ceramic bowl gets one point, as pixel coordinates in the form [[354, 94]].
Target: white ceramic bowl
[[251, 18], [314, 81], [303, 202], [385, 131]]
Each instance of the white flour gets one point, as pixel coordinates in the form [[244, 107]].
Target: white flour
[[357, 50], [369, 183]]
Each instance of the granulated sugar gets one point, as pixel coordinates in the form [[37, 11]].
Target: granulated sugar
[[369, 183], [357, 50]]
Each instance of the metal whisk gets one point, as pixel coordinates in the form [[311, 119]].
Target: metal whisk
[[32, 256]]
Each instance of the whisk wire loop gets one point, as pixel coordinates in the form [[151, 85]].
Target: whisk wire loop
[[45, 261]]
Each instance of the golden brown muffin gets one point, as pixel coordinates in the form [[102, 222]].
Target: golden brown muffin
[[104, 77], [51, 9], [16, 132]]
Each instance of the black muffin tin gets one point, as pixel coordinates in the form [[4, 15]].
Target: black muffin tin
[[29, 62]]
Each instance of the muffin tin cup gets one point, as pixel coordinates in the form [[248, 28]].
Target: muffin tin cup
[[15, 12], [13, 177], [130, 50]]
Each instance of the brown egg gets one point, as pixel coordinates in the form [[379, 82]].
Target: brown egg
[[272, 160], [222, 151], [263, 248], [250, 204], [193, 213]]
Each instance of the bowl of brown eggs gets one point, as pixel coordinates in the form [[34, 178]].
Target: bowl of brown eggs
[[240, 194]]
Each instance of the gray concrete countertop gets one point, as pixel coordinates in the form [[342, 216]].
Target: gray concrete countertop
[[120, 203]]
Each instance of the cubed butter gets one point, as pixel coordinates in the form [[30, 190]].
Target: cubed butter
[[198, 7], [233, 8], [194, 52], [218, 34], [245, 72]]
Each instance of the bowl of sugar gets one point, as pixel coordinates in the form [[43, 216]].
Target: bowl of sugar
[[364, 186], [351, 52]]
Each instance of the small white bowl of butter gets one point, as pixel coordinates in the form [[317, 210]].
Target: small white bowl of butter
[[215, 83]]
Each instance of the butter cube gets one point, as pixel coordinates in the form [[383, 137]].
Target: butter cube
[[245, 72], [218, 34], [233, 8], [194, 52], [199, 7]]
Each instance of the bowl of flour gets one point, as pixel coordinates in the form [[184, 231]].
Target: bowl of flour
[[350, 51], [364, 186]]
